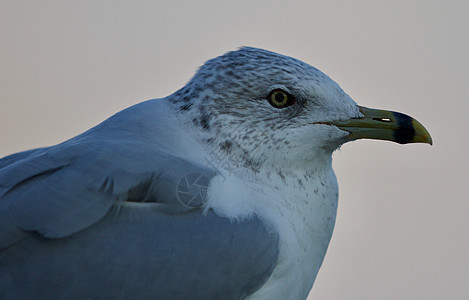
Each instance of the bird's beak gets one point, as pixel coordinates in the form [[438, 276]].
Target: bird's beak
[[384, 125]]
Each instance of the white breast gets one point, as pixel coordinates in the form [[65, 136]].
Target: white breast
[[301, 206]]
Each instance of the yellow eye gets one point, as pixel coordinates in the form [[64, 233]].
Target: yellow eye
[[280, 99]]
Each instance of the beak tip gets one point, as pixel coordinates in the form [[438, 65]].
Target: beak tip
[[422, 134]]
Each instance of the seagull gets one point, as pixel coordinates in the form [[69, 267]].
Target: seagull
[[222, 190]]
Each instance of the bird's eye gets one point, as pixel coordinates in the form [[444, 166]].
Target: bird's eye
[[280, 99]]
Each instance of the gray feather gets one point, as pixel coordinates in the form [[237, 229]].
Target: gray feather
[[138, 252], [63, 189]]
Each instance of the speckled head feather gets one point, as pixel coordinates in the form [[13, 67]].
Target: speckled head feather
[[227, 98]]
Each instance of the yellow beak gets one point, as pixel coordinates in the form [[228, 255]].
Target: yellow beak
[[385, 125]]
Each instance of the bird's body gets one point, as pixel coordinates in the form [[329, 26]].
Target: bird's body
[[104, 215]]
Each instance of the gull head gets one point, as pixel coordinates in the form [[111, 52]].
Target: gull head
[[261, 108]]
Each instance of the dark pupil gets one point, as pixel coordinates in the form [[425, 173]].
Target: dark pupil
[[280, 97]]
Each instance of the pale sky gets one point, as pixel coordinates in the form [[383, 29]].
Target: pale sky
[[402, 229]]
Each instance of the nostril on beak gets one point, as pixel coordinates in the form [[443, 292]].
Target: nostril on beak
[[385, 120]]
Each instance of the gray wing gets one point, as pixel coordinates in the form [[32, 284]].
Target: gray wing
[[8, 160], [141, 253], [67, 231], [60, 190]]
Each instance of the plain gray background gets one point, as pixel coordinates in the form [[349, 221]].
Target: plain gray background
[[402, 229]]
